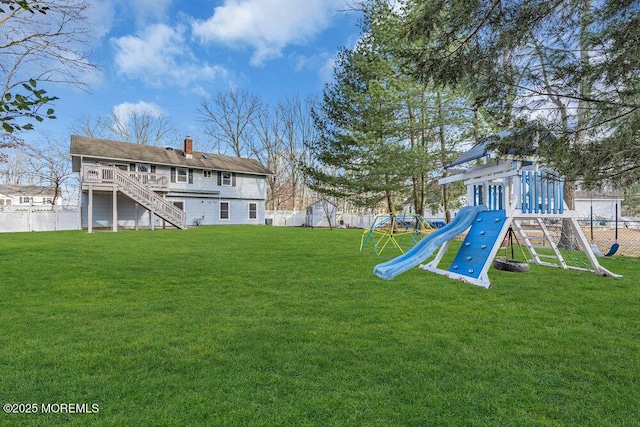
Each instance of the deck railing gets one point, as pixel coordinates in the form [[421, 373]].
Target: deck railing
[[138, 186], [106, 174]]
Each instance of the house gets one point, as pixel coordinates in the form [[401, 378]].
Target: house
[[603, 204], [133, 185], [321, 214], [27, 195]]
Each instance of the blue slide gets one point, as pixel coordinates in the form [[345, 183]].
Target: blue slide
[[425, 247]]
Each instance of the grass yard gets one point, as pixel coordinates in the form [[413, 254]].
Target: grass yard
[[238, 326]]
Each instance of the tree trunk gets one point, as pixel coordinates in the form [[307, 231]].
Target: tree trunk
[[567, 240], [445, 203], [443, 151]]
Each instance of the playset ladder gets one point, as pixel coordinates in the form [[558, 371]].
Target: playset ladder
[[532, 249]]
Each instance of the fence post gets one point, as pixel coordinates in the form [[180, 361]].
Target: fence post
[[29, 218]]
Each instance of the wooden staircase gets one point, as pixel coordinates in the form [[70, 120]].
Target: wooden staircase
[[143, 194], [150, 200]]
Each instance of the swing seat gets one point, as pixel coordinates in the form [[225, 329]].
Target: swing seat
[[613, 250], [596, 250]]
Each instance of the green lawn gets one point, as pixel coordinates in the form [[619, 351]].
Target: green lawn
[[238, 326]]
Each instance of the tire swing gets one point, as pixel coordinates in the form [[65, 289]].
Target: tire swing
[[510, 264]]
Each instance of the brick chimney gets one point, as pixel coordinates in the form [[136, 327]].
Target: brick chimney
[[188, 147]]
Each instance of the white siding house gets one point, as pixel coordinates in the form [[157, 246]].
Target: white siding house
[[27, 195], [132, 185]]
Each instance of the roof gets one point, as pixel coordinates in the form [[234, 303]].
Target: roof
[[323, 202], [27, 190], [479, 150], [126, 151]]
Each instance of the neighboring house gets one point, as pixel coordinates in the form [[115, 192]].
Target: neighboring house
[[133, 185], [321, 214], [27, 195], [604, 203]]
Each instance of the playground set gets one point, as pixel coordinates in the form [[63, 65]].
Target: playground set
[[505, 193], [400, 229]]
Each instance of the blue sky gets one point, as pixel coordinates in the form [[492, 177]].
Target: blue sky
[[165, 55]]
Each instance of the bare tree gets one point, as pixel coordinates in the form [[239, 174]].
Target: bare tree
[[329, 210], [267, 148], [229, 118], [50, 166], [11, 159], [135, 125], [42, 41], [298, 130]]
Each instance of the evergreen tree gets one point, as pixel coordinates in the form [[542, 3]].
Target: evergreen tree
[[571, 65], [383, 135], [359, 154]]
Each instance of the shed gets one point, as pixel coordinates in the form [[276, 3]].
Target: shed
[[321, 214]]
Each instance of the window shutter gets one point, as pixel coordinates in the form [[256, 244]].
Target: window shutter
[[132, 167], [190, 176], [233, 179], [173, 174], [219, 178], [153, 168]]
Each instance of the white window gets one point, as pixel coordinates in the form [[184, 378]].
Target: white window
[[25, 199], [226, 178], [253, 211], [207, 174], [181, 174], [224, 210]]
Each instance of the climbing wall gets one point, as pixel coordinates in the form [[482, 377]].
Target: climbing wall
[[476, 248]]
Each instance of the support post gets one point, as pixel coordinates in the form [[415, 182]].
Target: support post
[[586, 248], [114, 204], [90, 210]]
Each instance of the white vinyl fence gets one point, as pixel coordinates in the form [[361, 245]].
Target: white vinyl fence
[[299, 219], [286, 218], [39, 218]]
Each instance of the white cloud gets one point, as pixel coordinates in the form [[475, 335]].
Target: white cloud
[[159, 56], [101, 17], [267, 25], [326, 71], [150, 10], [103, 14], [322, 63], [124, 110]]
